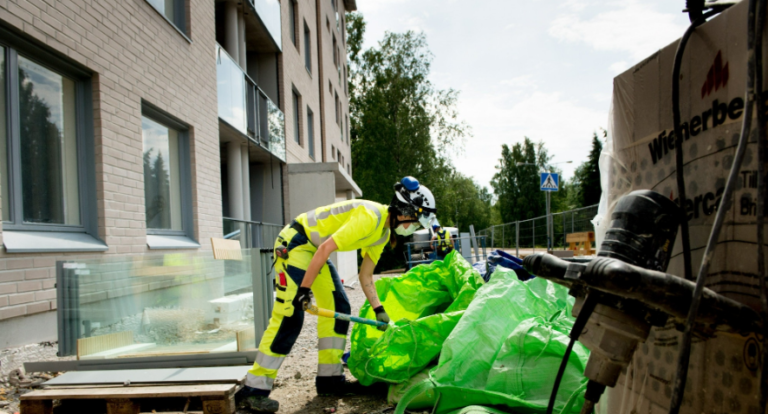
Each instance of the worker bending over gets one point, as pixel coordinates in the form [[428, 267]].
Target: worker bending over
[[301, 265], [443, 239]]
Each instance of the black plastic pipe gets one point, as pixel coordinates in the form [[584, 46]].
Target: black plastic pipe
[[681, 374]]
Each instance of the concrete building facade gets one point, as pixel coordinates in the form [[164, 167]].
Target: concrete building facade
[[146, 126]]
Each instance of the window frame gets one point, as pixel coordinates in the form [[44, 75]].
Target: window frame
[[310, 133], [84, 132], [297, 117], [307, 48], [156, 114], [180, 14], [293, 15]]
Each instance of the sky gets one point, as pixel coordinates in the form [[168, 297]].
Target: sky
[[538, 68]]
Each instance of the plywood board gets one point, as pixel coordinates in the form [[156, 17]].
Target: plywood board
[[101, 343], [224, 249]]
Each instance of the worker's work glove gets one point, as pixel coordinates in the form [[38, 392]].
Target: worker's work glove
[[381, 316], [303, 298]]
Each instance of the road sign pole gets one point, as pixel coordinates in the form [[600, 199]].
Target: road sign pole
[[549, 219]]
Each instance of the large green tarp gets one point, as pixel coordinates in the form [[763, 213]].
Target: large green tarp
[[505, 351], [426, 303]]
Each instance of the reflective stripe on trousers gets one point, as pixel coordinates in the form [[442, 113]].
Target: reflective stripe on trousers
[[269, 362], [331, 343], [259, 382], [330, 370]]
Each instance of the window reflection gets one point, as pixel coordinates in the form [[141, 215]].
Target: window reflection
[[162, 190], [50, 189]]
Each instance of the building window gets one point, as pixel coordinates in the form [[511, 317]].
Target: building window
[[296, 117], [346, 128], [328, 24], [46, 151], [333, 152], [338, 157], [292, 17], [338, 104], [307, 49], [335, 52], [349, 171], [311, 133], [42, 175], [167, 195], [175, 11]]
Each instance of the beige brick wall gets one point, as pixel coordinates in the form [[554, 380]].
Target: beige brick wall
[[135, 54], [295, 76]]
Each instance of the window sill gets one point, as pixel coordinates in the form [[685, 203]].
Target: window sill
[[159, 242], [50, 242]]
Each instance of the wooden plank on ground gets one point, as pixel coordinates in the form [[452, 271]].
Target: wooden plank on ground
[[224, 249], [207, 390]]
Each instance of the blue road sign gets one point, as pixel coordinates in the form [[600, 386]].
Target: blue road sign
[[549, 181]]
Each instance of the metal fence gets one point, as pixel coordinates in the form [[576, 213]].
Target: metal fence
[[532, 233], [252, 234]]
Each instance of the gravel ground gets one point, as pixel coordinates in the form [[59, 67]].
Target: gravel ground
[[295, 384]]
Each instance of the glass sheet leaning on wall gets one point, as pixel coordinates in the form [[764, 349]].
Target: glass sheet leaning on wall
[[158, 305]]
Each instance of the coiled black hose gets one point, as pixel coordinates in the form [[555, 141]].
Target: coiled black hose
[[725, 204]]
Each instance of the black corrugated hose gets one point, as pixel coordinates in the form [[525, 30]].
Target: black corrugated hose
[[725, 205], [761, 194], [679, 165]]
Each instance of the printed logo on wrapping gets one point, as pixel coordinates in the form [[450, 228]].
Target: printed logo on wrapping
[[717, 76]]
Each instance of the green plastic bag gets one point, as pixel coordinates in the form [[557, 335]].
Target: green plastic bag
[[427, 303], [506, 351]]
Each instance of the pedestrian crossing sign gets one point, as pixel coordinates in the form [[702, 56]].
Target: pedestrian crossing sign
[[549, 181]]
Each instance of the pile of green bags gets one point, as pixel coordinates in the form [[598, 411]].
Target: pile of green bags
[[499, 344]]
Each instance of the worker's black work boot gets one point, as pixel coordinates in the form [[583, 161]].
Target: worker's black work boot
[[252, 400], [258, 404]]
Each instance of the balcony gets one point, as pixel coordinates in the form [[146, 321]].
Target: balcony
[[268, 12], [246, 108]]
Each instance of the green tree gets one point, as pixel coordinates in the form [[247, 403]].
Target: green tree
[[517, 186], [586, 178], [400, 123]]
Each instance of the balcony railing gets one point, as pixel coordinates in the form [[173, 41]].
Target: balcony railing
[[244, 106], [251, 234]]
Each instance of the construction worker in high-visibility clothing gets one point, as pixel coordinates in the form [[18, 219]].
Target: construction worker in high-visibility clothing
[[443, 241], [302, 266]]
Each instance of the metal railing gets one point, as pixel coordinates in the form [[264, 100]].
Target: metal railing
[[532, 233], [422, 252], [251, 234]]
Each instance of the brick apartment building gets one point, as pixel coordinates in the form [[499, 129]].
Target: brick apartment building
[[149, 126]]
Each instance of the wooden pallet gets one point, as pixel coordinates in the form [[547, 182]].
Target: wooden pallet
[[215, 398]]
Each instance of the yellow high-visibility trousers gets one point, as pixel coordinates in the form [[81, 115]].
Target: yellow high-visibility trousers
[[287, 320]]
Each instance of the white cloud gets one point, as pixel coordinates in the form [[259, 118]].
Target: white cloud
[[634, 27], [564, 125], [619, 67], [520, 82], [508, 27]]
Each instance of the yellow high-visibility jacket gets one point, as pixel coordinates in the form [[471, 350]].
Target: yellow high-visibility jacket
[[353, 224]]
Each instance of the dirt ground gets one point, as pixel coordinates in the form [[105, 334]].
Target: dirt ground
[[295, 384]]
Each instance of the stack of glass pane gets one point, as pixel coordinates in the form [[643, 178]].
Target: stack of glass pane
[[160, 305]]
